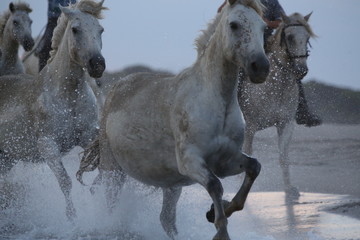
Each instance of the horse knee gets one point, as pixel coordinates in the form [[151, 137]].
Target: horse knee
[[253, 167]]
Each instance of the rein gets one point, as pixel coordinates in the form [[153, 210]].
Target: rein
[[283, 41]]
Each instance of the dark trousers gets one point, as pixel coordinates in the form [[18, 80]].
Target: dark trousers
[[44, 47]]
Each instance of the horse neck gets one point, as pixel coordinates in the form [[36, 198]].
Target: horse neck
[[280, 77], [278, 57], [62, 74], [217, 72], [277, 54], [9, 48]]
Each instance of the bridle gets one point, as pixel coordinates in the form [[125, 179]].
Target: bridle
[[284, 42]]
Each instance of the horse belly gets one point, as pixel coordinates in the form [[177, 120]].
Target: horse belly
[[144, 152]]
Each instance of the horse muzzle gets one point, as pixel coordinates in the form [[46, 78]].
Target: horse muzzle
[[28, 43], [96, 66], [300, 71], [258, 69]]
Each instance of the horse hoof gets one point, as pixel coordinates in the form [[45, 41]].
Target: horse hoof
[[292, 194], [70, 213], [92, 190], [210, 215]]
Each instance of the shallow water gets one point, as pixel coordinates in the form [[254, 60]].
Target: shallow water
[[38, 212]]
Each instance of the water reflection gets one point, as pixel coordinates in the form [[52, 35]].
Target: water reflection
[[306, 218]]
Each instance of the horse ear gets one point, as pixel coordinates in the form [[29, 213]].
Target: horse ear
[[307, 17], [231, 2], [67, 11], [12, 7], [285, 18]]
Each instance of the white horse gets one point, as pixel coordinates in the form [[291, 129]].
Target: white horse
[[274, 103], [174, 131], [43, 119], [15, 30]]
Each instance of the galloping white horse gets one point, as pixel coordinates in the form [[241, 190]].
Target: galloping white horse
[[173, 131], [42, 119], [274, 103], [15, 30]]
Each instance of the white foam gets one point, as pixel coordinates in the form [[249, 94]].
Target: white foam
[[39, 212]]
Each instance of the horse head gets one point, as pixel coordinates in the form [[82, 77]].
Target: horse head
[[19, 24], [244, 38], [85, 39], [295, 37]]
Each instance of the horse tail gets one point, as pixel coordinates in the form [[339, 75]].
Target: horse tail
[[90, 160]]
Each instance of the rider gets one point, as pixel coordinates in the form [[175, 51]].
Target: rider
[[272, 17], [53, 13]]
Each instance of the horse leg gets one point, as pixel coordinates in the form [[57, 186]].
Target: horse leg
[[248, 140], [50, 152], [111, 174], [7, 194], [114, 181], [168, 211], [192, 165], [236, 166], [6, 163], [285, 133], [97, 181]]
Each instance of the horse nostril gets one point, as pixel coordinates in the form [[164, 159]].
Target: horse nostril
[[259, 69], [96, 66], [28, 44], [97, 61], [254, 67], [302, 71]]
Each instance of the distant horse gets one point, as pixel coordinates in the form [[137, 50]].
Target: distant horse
[[174, 131], [43, 119], [15, 30], [274, 103], [31, 65]]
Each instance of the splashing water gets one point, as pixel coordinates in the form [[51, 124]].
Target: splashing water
[[37, 211]]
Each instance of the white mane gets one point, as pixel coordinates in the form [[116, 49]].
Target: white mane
[[203, 40]]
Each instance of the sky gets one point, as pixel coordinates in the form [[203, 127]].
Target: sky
[[161, 34]]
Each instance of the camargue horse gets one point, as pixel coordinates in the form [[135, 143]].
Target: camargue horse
[[274, 103], [15, 30], [174, 131], [42, 119]]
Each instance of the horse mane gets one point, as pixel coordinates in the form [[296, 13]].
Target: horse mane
[[86, 6], [202, 41], [295, 18], [18, 6]]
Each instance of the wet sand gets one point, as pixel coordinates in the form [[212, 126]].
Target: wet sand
[[323, 159], [325, 164]]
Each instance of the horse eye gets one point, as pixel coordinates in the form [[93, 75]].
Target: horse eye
[[74, 30], [15, 22], [290, 38], [234, 26]]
